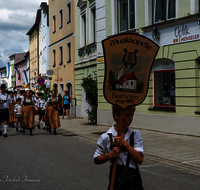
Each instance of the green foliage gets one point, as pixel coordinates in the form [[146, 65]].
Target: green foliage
[[90, 87], [140, 86], [43, 87], [92, 115]]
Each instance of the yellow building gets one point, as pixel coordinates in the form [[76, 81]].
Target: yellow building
[[33, 34], [62, 45]]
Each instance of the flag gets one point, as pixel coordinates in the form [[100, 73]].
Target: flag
[[8, 69], [17, 71], [24, 77]]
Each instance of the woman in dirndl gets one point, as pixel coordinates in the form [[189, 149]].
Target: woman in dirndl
[[52, 107], [27, 108], [11, 109]]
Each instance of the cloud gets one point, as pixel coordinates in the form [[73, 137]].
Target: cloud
[[16, 18]]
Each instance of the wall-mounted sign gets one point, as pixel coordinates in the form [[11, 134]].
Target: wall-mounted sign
[[128, 62], [177, 34]]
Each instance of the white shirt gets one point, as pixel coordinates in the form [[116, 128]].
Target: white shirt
[[17, 108], [41, 104], [5, 97], [104, 145]]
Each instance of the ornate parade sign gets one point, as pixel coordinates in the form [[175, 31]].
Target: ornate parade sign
[[128, 62]]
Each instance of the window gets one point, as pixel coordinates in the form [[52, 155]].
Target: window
[[68, 12], [83, 30], [69, 52], [92, 24], [54, 58], [60, 55], [164, 10], [126, 13], [54, 23], [61, 18]]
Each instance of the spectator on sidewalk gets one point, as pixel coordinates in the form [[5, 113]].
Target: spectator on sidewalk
[[66, 100]]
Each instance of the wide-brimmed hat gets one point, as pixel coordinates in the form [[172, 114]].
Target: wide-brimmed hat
[[3, 86]]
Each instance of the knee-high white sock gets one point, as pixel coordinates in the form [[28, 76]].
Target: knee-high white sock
[[5, 129], [20, 126], [43, 124]]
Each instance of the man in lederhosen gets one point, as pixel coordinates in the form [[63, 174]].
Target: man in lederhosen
[[5, 100]]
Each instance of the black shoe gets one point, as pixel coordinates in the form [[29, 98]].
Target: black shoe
[[43, 128], [12, 125], [23, 130], [5, 135], [38, 125], [16, 128], [50, 130], [54, 132], [47, 128], [1, 133], [20, 131]]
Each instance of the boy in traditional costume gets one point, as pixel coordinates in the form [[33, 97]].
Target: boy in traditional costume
[[26, 109], [41, 104], [15, 97], [52, 108], [18, 116], [5, 100], [128, 148]]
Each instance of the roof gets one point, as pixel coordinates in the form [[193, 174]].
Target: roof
[[124, 78], [36, 24], [19, 57], [2, 68]]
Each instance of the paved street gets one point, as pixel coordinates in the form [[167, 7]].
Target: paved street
[[65, 161]]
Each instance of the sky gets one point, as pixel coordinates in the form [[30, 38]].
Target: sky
[[16, 19]]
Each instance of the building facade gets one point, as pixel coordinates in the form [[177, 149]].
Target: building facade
[[3, 76], [86, 50], [33, 34], [62, 45], [44, 42], [173, 100]]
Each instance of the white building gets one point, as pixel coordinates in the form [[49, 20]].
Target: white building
[[44, 42]]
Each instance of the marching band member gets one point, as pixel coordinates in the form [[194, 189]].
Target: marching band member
[[41, 104], [26, 109], [52, 107], [18, 115], [5, 100]]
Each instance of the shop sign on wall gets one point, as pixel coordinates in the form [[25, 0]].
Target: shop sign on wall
[[183, 34], [177, 34]]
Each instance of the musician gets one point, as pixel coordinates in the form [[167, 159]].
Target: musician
[[41, 104], [26, 109], [52, 108], [5, 100], [18, 116]]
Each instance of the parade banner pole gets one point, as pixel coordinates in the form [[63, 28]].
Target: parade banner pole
[[119, 132], [128, 62]]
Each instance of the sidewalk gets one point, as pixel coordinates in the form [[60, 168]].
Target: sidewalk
[[173, 149]]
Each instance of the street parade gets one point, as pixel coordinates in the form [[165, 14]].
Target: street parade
[[20, 110]]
